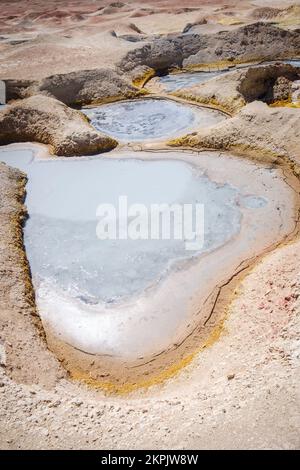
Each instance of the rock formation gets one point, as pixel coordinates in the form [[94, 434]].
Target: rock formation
[[233, 90], [257, 41], [281, 91], [48, 121], [76, 88], [295, 92], [18, 319], [189, 26], [265, 13], [257, 129]]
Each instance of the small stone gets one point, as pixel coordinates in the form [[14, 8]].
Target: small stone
[[78, 402], [2, 356], [55, 404], [230, 376]]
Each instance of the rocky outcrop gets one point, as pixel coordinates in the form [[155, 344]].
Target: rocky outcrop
[[233, 90], [48, 121], [265, 82], [257, 41], [265, 13], [141, 74], [189, 26], [19, 338], [281, 91], [77, 88], [160, 54], [295, 92], [256, 129], [221, 91]]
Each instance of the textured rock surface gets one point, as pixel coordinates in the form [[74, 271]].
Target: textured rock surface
[[80, 88], [256, 129], [190, 26], [221, 91], [48, 121], [265, 13], [266, 83], [19, 338], [295, 91], [252, 42], [233, 90], [282, 89]]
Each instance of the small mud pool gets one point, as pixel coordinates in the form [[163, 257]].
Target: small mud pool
[[174, 82], [294, 62], [131, 299], [150, 119]]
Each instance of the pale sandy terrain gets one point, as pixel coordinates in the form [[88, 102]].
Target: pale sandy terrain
[[239, 391], [39, 39]]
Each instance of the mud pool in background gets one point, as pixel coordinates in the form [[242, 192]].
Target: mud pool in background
[[150, 119], [294, 62], [174, 82]]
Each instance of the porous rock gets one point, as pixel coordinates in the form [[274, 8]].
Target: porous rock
[[48, 121]]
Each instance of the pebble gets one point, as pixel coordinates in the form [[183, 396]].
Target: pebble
[[55, 404], [77, 402]]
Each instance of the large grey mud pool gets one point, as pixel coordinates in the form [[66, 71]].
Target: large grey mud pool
[[60, 235], [134, 298], [150, 119]]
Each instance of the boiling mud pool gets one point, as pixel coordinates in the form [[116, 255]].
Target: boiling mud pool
[[177, 81], [150, 119], [131, 298], [60, 234]]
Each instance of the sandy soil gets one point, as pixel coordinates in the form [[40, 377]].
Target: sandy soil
[[39, 39], [242, 390]]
